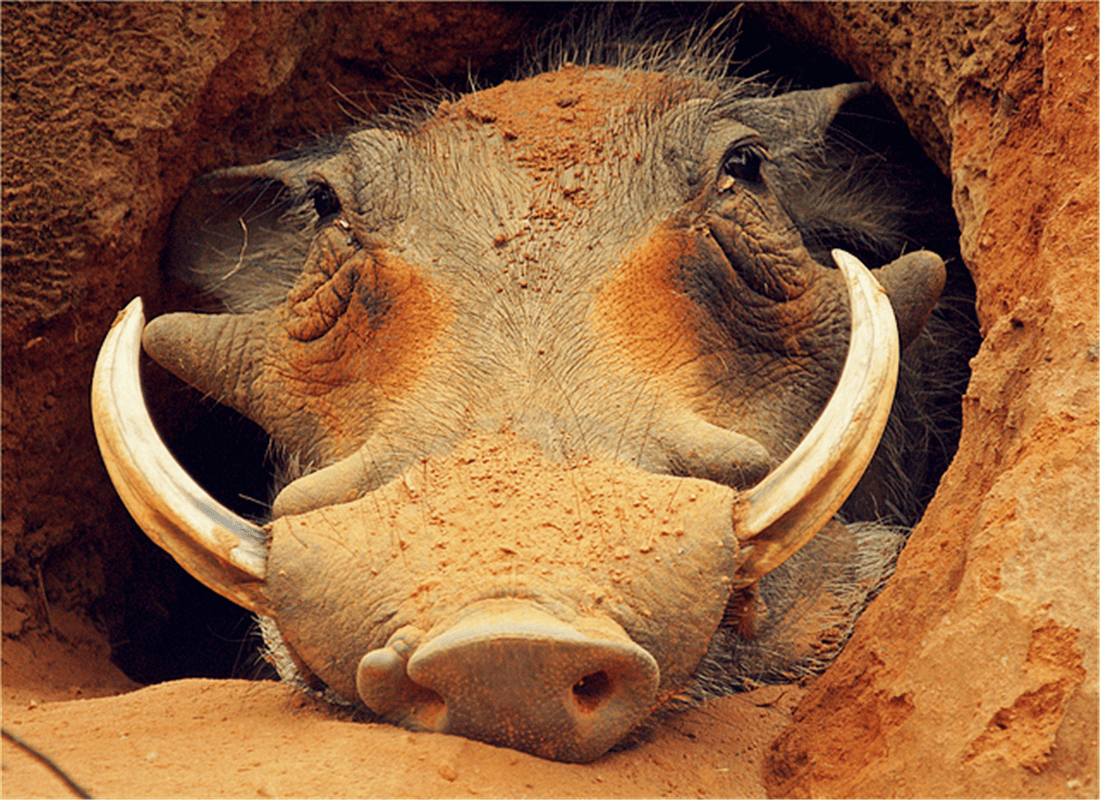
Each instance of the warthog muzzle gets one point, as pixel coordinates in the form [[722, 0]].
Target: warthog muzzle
[[510, 674]]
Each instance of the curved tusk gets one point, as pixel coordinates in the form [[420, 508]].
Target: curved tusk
[[219, 548], [796, 499]]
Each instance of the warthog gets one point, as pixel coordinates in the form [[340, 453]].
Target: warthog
[[576, 373]]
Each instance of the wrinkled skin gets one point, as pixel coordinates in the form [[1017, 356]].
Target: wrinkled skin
[[591, 277]]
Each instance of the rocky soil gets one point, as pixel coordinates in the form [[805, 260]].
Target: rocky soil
[[973, 674]]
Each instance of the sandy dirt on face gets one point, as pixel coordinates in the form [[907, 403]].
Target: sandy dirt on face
[[216, 738]]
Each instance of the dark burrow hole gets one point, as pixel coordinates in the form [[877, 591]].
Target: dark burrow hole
[[592, 691], [171, 625], [164, 625]]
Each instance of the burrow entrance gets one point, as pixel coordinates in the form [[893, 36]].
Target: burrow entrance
[[164, 625]]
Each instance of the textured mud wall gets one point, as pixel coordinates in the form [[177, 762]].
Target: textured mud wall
[[975, 672], [109, 112]]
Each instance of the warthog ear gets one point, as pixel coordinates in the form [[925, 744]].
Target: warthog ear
[[792, 121], [836, 193], [243, 233]]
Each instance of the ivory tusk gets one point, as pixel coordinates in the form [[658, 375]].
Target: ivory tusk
[[224, 551], [798, 497]]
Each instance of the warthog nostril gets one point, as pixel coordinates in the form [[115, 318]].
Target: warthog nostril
[[592, 691], [510, 674]]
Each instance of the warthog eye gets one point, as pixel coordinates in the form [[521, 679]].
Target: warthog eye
[[743, 161], [325, 202]]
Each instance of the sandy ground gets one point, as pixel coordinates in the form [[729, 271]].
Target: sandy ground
[[234, 738]]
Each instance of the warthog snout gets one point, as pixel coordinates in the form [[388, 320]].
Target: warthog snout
[[511, 674]]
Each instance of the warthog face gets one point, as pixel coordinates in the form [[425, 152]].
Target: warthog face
[[568, 381]]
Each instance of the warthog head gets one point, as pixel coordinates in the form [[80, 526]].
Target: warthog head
[[570, 372]]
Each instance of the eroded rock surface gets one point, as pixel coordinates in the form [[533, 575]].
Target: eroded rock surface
[[975, 671]]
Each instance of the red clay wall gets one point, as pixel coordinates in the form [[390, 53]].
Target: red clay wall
[[975, 672]]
